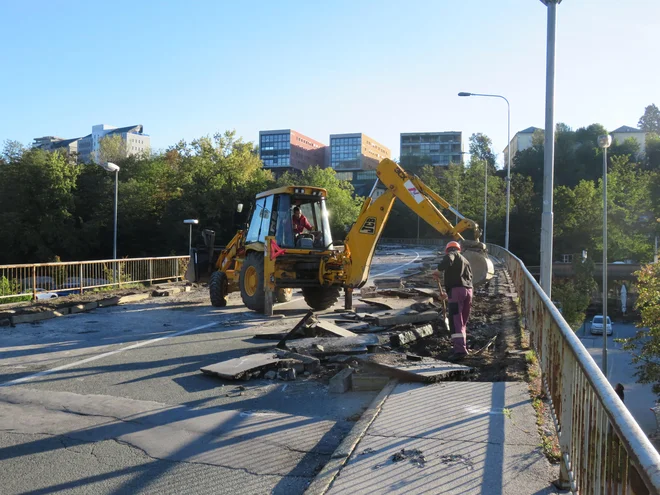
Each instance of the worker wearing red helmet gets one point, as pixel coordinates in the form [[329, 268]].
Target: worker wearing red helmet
[[458, 284]]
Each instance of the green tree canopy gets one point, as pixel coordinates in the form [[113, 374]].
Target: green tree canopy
[[650, 121]]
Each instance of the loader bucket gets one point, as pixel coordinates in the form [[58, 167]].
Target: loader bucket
[[482, 266]]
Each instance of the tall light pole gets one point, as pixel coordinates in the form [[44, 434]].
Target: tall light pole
[[111, 167], [655, 252], [190, 222], [485, 197], [508, 167], [604, 142], [549, 151]]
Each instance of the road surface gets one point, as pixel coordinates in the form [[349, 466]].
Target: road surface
[[638, 398], [113, 402]]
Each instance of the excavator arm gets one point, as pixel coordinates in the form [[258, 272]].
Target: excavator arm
[[395, 183]]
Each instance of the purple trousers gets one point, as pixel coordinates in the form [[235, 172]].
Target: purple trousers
[[460, 304]]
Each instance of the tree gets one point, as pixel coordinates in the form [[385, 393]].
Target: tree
[[112, 148], [575, 294], [36, 203], [653, 152], [645, 345], [481, 148], [650, 121], [342, 206], [12, 150]]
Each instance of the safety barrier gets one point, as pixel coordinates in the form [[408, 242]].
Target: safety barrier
[[46, 280], [603, 448]]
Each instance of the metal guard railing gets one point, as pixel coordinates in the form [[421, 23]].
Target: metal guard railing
[[43, 280], [603, 448]]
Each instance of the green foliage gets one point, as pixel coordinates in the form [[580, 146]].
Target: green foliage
[[481, 148], [653, 152], [650, 121], [575, 294], [646, 344], [51, 207], [112, 148], [344, 208]]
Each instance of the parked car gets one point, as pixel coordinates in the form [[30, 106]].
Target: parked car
[[597, 325], [41, 294]]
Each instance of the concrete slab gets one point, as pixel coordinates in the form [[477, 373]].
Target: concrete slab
[[334, 330], [232, 369], [450, 468], [426, 370], [333, 345], [464, 411], [474, 437]]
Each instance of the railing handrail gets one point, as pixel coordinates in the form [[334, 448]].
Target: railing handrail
[[70, 263], [639, 447]]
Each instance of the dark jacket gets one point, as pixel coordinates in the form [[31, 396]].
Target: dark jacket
[[458, 272]]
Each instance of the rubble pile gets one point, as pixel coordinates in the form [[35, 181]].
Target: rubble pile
[[363, 348]]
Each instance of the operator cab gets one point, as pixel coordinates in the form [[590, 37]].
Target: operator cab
[[275, 213]]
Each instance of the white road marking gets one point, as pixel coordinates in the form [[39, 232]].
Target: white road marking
[[105, 354]]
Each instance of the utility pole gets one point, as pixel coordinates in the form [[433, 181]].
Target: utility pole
[[549, 156]]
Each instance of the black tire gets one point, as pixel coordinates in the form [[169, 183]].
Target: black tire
[[320, 298], [254, 262], [218, 289], [283, 295]]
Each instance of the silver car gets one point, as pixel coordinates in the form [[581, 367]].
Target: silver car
[[597, 325]]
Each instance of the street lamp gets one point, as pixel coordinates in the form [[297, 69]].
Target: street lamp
[[655, 252], [604, 142], [191, 222], [111, 167], [549, 151], [508, 166]]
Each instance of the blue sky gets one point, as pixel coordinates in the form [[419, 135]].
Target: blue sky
[[187, 69]]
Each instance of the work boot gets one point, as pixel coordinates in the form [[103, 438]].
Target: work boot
[[455, 357]]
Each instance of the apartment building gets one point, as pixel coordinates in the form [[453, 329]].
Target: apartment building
[[431, 148], [87, 148], [287, 149], [521, 141], [355, 152]]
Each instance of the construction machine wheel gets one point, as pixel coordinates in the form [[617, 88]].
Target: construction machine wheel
[[283, 295], [251, 281], [218, 289], [320, 298]]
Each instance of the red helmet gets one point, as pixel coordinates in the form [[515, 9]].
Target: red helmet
[[452, 245]]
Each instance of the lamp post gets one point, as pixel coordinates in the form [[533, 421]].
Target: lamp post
[[655, 252], [604, 142], [190, 222], [508, 166], [549, 151], [111, 167]]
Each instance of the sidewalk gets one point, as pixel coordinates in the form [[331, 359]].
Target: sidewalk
[[459, 437]]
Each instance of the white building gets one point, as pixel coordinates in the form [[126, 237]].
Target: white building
[[624, 132], [88, 147], [521, 141]]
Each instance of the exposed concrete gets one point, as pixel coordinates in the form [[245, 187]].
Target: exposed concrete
[[131, 298], [341, 382], [403, 338], [475, 437]]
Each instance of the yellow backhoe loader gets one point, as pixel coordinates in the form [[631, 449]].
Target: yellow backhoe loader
[[268, 259]]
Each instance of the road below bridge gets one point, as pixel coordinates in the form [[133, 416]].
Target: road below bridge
[[113, 402]]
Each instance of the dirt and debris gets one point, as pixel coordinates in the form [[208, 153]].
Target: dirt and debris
[[457, 459], [398, 330], [413, 456]]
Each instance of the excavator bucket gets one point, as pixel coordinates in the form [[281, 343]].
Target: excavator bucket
[[482, 266]]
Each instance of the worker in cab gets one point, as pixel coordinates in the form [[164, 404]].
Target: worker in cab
[[458, 284], [300, 222]]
